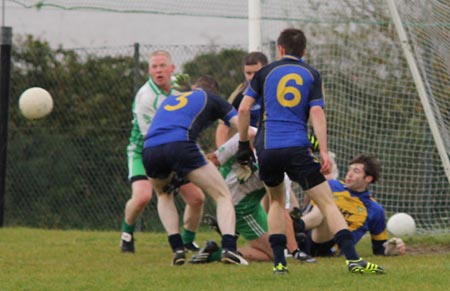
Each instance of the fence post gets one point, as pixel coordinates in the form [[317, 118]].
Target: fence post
[[273, 50], [5, 74], [136, 76]]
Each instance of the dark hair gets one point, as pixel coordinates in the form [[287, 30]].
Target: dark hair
[[372, 166], [207, 83], [293, 41], [254, 58]]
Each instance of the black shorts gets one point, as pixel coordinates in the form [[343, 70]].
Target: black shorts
[[297, 162], [179, 157]]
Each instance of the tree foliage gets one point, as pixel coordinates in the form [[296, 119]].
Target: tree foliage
[[73, 162], [225, 66]]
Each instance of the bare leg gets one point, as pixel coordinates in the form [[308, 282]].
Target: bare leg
[[258, 250], [167, 210], [277, 223], [315, 221], [293, 201], [141, 196], [194, 199], [265, 203], [276, 215], [209, 179], [291, 242], [321, 194]]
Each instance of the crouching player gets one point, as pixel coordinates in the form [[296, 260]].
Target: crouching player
[[251, 219]]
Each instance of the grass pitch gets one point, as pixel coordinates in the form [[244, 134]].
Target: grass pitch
[[37, 259]]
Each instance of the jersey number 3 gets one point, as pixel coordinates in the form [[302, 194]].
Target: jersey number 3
[[182, 101], [283, 90]]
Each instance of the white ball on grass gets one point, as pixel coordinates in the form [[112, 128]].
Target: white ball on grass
[[35, 103], [401, 224]]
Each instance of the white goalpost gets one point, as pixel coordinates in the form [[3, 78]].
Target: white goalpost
[[420, 87], [254, 25]]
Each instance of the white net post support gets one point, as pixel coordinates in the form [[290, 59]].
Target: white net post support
[[420, 87]]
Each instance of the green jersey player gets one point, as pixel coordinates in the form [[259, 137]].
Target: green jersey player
[[146, 102]]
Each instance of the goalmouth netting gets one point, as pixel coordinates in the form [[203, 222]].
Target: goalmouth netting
[[375, 101]]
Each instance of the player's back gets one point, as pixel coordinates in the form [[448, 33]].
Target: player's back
[[183, 117], [288, 88]]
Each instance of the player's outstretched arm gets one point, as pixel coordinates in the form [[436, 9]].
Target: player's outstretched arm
[[394, 247]]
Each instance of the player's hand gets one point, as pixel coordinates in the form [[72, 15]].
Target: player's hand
[[213, 158], [326, 163], [394, 247], [182, 82], [245, 155], [244, 172]]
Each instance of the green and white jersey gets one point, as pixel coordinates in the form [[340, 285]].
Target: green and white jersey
[[145, 104], [226, 156], [253, 186]]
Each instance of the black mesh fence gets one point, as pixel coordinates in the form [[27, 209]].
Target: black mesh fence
[[69, 169]]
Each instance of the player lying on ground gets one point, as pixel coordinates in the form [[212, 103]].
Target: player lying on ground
[[362, 213], [251, 219]]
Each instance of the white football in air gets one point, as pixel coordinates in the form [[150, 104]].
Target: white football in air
[[35, 103]]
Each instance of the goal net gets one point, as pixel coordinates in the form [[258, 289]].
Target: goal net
[[372, 100]]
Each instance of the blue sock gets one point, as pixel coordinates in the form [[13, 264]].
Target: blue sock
[[278, 243], [175, 241], [301, 225], [229, 242], [344, 240]]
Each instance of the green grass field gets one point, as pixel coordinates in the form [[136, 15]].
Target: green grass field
[[36, 259]]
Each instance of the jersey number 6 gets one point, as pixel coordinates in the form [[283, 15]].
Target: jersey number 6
[[283, 90]]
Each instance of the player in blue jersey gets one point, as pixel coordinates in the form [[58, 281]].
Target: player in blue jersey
[[170, 148], [252, 63], [145, 104], [362, 213], [290, 93], [251, 219]]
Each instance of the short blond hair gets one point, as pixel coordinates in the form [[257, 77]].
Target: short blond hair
[[161, 52]]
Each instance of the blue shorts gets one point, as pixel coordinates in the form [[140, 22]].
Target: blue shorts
[[297, 162], [181, 157]]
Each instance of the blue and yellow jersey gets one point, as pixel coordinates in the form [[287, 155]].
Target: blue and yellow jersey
[[183, 117], [286, 90], [362, 213], [236, 98]]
